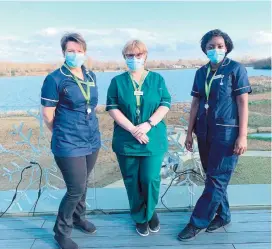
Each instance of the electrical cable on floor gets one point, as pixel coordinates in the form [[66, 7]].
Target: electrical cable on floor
[[40, 191], [16, 190], [181, 173]]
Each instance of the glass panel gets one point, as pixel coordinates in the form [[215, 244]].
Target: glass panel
[[255, 166], [24, 139]]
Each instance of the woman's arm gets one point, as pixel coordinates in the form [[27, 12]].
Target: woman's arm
[[193, 114], [48, 116], [241, 142], [49, 100], [159, 114], [192, 119], [121, 120]]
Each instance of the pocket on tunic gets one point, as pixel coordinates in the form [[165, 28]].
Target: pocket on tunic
[[226, 129], [72, 95], [69, 132]]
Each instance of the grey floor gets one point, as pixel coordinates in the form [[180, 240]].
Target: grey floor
[[250, 229]]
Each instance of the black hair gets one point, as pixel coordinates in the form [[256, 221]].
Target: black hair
[[213, 33]]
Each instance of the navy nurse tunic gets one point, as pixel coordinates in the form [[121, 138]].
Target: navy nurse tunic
[[222, 121], [74, 132]]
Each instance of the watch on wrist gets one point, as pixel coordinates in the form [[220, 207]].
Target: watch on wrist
[[150, 122]]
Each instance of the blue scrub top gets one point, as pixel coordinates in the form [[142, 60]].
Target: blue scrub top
[[74, 132], [222, 120]]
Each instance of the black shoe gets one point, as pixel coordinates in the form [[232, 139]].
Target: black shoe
[[65, 243], [154, 223], [142, 229], [189, 233], [85, 226], [216, 223]]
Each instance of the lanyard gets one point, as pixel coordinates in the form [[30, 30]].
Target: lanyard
[[137, 89], [208, 86], [86, 95]]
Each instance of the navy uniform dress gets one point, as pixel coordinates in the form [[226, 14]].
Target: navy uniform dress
[[217, 131], [75, 141], [74, 133]]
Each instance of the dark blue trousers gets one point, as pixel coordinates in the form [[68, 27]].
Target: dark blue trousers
[[72, 209], [219, 163]]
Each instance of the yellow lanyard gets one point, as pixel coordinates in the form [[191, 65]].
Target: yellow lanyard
[[137, 90], [208, 86], [86, 95]]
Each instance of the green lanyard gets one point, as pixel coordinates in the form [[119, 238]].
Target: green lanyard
[[208, 87], [87, 95], [137, 90]]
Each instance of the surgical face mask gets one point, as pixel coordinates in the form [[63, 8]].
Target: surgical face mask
[[74, 60], [216, 55], [134, 63]]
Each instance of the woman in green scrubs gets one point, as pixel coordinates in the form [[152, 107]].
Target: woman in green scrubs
[[138, 100]]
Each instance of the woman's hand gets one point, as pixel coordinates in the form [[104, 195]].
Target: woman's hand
[[240, 145], [141, 137], [141, 129], [189, 142]]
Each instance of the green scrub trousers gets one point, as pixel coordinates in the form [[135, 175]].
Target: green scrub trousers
[[141, 176]]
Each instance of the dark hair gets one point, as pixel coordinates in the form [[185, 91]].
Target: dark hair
[[75, 37], [213, 33]]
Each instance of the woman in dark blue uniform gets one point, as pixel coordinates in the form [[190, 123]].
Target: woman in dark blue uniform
[[69, 97], [219, 118]]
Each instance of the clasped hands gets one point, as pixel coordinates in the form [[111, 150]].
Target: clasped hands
[[140, 131]]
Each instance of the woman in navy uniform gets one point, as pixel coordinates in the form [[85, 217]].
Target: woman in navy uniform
[[219, 118], [69, 97]]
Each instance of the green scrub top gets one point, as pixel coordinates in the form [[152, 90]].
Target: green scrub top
[[121, 96]]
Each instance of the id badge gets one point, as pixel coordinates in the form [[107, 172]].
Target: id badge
[[92, 84], [88, 109], [219, 76], [138, 93]]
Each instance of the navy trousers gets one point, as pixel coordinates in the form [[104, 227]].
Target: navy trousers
[[219, 163]]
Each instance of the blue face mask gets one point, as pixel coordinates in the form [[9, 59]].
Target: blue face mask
[[135, 64], [216, 55], [74, 60]]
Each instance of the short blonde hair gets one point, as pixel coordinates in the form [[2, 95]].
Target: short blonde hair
[[134, 44], [75, 37]]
